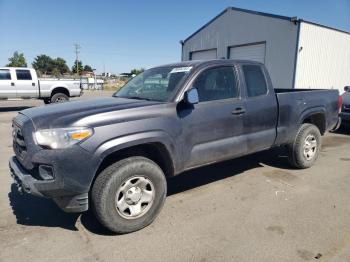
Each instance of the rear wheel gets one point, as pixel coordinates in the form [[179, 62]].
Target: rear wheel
[[128, 195], [306, 147], [59, 98]]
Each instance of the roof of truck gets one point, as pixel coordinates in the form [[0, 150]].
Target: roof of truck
[[10, 67], [197, 63]]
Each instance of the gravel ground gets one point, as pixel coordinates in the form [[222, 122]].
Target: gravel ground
[[254, 208]]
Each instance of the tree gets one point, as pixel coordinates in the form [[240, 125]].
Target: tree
[[49, 66], [136, 71], [80, 68], [88, 68], [43, 64], [17, 60], [55, 72], [61, 65]]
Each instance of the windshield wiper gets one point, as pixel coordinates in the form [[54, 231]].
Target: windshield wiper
[[138, 98]]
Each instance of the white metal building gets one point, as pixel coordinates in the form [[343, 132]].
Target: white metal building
[[296, 52]]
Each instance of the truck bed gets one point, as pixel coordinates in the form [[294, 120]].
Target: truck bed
[[48, 84], [296, 104]]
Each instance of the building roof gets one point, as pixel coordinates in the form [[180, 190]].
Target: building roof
[[262, 14]]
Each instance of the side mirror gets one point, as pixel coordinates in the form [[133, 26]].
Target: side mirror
[[347, 89], [191, 96]]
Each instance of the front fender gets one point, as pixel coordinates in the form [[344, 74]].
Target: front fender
[[135, 139]]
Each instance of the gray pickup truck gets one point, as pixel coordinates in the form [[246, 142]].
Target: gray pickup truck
[[114, 154]]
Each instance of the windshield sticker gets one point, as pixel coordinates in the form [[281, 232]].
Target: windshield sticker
[[181, 69]]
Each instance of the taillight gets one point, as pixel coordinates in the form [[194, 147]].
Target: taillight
[[340, 103]]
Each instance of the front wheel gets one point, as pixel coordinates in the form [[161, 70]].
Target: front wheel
[[306, 147], [128, 195]]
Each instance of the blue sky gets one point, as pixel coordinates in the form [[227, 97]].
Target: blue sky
[[121, 35]]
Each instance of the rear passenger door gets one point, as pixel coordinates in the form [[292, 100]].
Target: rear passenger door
[[7, 88], [26, 86], [213, 129], [260, 118]]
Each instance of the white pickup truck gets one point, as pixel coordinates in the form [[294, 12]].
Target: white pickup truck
[[23, 83]]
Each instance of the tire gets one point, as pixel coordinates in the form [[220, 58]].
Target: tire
[[306, 147], [59, 98], [111, 197]]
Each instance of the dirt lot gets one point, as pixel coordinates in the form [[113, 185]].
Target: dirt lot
[[250, 209]]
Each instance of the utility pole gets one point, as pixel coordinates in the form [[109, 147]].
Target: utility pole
[[77, 51]]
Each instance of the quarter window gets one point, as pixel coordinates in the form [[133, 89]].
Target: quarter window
[[216, 83], [5, 74], [255, 80], [23, 75]]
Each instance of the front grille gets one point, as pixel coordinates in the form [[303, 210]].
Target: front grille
[[19, 144]]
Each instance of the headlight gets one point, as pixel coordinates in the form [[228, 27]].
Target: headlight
[[62, 137]]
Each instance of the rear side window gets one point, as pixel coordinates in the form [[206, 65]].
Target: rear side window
[[255, 80], [5, 74], [23, 75], [216, 83]]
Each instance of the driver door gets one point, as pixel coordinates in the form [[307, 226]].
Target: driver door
[[213, 129]]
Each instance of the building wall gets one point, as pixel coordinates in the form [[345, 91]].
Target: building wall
[[323, 58], [238, 28]]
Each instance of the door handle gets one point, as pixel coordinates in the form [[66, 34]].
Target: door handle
[[238, 111], [33, 84], [12, 84]]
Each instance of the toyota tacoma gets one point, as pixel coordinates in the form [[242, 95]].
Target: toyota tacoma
[[113, 154]]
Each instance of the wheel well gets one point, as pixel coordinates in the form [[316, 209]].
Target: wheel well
[[60, 90], [157, 152], [318, 120]]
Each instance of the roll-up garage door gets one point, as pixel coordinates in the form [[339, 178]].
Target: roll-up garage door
[[254, 52], [203, 55]]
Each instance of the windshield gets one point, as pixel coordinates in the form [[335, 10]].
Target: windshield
[[156, 84]]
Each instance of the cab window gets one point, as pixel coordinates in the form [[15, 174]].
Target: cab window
[[255, 80], [23, 74], [216, 84], [5, 74]]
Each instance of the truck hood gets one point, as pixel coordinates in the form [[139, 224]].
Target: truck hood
[[92, 112]]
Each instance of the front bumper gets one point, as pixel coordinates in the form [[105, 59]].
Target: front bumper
[[64, 175], [26, 183]]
